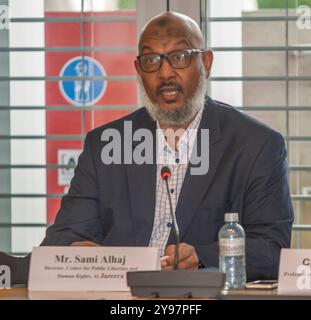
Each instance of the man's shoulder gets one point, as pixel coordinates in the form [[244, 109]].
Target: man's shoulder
[[239, 126], [234, 119], [137, 117]]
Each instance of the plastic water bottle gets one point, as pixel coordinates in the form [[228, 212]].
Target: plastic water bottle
[[231, 239]]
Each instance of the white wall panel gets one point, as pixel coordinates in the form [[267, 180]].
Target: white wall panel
[[27, 64], [26, 8], [27, 122], [28, 181], [28, 152], [28, 210], [26, 34], [27, 93], [24, 239]]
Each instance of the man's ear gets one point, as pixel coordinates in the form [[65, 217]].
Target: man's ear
[[137, 67], [208, 61]]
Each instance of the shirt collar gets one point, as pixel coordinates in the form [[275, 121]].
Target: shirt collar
[[184, 145]]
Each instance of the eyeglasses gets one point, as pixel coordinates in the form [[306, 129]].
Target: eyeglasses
[[178, 59]]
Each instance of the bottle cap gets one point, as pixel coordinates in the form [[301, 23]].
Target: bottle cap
[[232, 217]]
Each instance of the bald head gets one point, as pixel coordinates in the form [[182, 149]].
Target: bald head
[[173, 69], [170, 25]]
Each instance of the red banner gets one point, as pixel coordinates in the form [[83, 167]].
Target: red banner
[[78, 92]]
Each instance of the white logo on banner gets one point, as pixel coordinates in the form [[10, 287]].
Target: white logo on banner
[[67, 158]]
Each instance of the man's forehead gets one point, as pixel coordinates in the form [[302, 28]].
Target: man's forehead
[[175, 39], [177, 35], [169, 26]]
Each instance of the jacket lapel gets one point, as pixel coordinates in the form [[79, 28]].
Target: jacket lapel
[[195, 186], [142, 180], [142, 188]]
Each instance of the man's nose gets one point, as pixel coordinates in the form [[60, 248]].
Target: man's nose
[[166, 71]]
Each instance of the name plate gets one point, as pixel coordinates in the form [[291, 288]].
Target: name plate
[[88, 268], [295, 272]]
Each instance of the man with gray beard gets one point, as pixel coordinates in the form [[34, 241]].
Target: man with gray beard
[[127, 204], [177, 116]]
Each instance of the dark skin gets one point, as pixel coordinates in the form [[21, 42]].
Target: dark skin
[[167, 32]]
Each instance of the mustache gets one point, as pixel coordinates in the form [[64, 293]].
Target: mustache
[[168, 85]]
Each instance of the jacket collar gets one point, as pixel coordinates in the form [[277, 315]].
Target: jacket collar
[[142, 179]]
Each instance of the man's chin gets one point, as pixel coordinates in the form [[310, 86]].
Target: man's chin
[[171, 105]]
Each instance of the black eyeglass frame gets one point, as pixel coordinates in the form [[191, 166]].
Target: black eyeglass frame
[[166, 56]]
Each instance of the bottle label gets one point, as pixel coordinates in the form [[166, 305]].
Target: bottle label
[[231, 247]]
